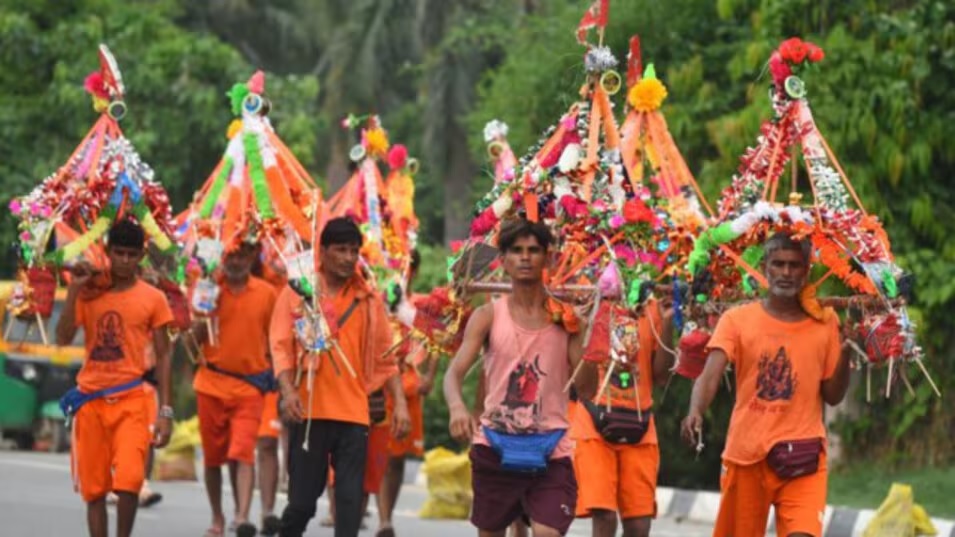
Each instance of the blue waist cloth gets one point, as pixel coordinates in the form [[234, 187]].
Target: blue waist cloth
[[263, 381], [71, 402], [524, 452]]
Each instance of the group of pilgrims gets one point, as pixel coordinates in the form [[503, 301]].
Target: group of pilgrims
[[594, 269]]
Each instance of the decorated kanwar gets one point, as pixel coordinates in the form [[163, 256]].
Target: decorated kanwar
[[90, 224], [382, 204], [786, 348], [259, 208]]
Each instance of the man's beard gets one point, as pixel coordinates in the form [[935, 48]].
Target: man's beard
[[785, 293]]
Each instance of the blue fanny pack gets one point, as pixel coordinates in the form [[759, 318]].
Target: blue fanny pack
[[264, 381], [524, 452], [71, 402]]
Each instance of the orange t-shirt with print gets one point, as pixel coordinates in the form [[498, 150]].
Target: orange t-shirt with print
[[118, 326], [242, 341], [336, 394], [622, 381], [779, 370]]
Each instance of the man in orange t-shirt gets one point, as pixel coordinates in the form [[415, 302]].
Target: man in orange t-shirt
[[329, 407], [416, 387], [617, 464], [271, 431], [110, 408], [231, 383], [787, 364]]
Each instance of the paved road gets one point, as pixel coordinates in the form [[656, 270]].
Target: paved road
[[36, 500]]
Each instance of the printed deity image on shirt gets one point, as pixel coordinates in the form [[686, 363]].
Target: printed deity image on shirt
[[776, 380], [520, 410], [109, 338]]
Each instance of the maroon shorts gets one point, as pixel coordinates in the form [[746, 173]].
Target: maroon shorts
[[501, 496]]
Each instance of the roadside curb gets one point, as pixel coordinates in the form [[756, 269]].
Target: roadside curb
[[702, 506]]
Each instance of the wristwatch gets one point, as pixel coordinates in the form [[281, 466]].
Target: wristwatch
[[166, 412]]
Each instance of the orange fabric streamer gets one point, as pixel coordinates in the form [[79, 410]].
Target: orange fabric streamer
[[630, 148], [286, 208], [531, 206]]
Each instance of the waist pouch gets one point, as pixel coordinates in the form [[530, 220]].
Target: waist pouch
[[376, 407], [619, 425], [524, 452], [263, 381], [794, 458], [74, 399]]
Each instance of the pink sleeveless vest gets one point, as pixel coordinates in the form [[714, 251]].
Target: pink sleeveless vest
[[525, 373]]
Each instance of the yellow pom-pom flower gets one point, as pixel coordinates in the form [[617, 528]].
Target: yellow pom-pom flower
[[647, 95], [100, 104], [376, 142], [234, 128]]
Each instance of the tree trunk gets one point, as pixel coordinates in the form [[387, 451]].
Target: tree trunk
[[337, 169], [457, 186]]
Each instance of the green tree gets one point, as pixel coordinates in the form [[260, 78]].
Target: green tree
[[175, 81], [881, 99]]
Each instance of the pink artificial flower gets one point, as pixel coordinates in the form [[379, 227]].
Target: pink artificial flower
[[616, 221], [15, 206], [625, 252], [397, 157], [484, 223], [779, 69], [568, 121], [573, 207], [25, 236]]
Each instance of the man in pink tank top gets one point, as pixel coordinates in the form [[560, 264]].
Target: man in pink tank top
[[521, 456]]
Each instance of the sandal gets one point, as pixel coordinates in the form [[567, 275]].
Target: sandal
[[385, 532], [271, 525], [150, 499], [213, 532], [246, 529], [327, 522]]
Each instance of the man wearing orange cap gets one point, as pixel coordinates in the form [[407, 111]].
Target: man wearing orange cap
[[330, 405], [110, 408]]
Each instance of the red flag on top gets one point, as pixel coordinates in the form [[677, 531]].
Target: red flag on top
[[634, 63], [595, 16]]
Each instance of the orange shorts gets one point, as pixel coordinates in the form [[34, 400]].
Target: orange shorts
[[376, 459], [748, 491], [413, 444], [110, 445], [271, 425], [229, 428], [616, 477], [153, 414]]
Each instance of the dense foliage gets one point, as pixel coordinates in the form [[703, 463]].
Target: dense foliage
[[437, 70]]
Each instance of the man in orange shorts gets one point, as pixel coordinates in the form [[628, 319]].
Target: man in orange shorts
[[110, 409], [787, 363], [271, 432], [616, 456], [416, 387], [230, 384]]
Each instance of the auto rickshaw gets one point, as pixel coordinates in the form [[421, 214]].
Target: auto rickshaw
[[34, 374]]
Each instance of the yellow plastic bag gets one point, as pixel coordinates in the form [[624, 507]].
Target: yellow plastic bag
[[900, 516], [449, 485], [177, 461]]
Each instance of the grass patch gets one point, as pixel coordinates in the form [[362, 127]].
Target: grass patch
[[864, 487]]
